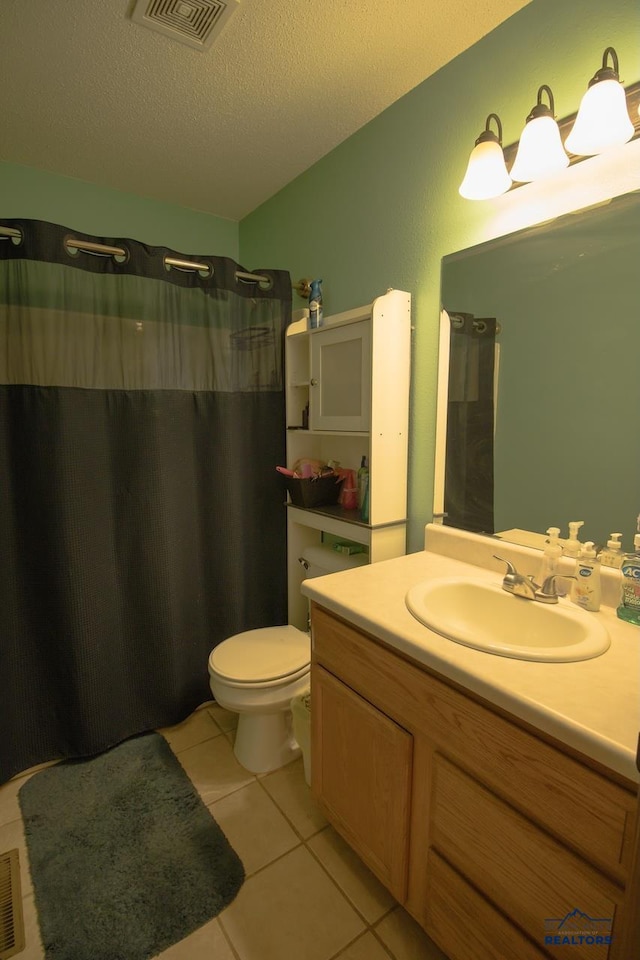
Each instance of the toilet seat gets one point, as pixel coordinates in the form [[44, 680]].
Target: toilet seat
[[262, 658]]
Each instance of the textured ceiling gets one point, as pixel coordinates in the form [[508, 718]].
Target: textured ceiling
[[87, 93]]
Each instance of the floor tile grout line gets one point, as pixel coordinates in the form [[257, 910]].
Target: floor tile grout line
[[286, 817], [340, 954], [369, 923], [227, 937], [191, 746], [7, 823], [265, 866], [374, 933]]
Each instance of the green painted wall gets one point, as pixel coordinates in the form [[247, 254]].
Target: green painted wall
[[382, 209], [88, 208]]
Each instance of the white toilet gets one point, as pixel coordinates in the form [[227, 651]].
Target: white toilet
[[256, 674]]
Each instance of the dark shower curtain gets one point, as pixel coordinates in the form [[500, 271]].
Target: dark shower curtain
[[469, 473], [141, 521]]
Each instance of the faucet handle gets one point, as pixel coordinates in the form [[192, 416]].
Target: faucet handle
[[511, 570], [547, 592], [517, 583]]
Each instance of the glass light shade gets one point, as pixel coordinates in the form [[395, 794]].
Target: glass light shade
[[603, 120], [540, 151], [486, 174]]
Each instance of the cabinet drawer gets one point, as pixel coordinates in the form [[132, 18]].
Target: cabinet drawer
[[578, 805], [361, 772], [527, 874], [466, 924]]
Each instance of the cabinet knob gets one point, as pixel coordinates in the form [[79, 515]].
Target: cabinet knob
[[314, 382]]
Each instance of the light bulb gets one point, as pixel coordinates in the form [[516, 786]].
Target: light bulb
[[486, 175], [603, 119], [540, 151]]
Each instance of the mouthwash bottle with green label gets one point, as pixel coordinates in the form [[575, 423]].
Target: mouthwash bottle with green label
[[629, 608]]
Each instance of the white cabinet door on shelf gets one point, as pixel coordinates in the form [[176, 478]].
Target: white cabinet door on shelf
[[340, 394]]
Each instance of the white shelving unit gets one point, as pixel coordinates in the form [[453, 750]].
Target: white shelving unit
[[354, 374]]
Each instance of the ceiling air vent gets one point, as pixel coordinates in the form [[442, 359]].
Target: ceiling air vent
[[194, 22]]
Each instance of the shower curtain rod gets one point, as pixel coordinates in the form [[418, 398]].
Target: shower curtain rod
[[86, 246]]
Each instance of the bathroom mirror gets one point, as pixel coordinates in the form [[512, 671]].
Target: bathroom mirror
[[561, 429]]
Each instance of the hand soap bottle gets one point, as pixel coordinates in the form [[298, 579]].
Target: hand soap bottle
[[611, 556], [629, 608], [572, 545], [585, 590], [551, 555]]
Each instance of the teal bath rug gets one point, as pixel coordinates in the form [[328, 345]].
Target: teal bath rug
[[125, 858]]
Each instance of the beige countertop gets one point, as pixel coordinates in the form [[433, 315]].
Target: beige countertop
[[591, 705]]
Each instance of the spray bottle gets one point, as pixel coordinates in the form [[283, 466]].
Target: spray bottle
[[315, 305], [629, 608]]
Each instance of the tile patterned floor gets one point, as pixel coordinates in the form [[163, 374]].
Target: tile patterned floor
[[307, 896]]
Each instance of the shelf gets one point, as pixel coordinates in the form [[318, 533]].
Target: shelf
[[336, 512], [329, 433], [359, 362]]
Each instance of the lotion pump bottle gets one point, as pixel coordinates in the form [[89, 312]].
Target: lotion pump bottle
[[585, 590], [551, 555], [572, 545]]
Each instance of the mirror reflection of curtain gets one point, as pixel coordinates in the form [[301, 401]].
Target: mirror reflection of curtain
[[141, 518], [468, 490]]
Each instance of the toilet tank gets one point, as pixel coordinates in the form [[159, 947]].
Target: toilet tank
[[320, 560]]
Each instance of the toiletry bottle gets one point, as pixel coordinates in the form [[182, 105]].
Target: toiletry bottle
[[315, 304], [611, 555], [363, 470], [572, 545], [585, 590], [364, 509], [629, 608], [551, 555]]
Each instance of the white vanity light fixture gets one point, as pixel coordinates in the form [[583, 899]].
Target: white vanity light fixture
[[540, 151], [486, 175], [608, 126], [603, 119]]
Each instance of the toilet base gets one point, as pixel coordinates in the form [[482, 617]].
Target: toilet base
[[265, 741]]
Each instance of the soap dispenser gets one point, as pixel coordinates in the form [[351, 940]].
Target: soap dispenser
[[611, 556], [551, 555], [585, 590], [572, 546], [629, 608]]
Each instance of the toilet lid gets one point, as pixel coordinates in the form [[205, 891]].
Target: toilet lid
[[270, 653]]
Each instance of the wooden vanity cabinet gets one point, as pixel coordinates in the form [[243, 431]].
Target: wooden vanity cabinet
[[488, 833]]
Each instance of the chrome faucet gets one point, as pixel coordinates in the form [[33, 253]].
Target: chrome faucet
[[516, 583], [525, 586]]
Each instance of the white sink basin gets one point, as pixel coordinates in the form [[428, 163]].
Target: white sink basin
[[481, 614]]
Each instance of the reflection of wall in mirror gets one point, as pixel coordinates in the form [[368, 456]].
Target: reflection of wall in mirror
[[567, 296]]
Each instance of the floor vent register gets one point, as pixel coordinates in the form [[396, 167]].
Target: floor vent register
[[11, 920]]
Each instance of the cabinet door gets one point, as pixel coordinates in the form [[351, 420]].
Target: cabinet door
[[341, 377], [361, 772], [567, 908]]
